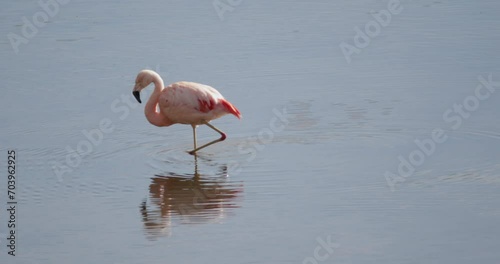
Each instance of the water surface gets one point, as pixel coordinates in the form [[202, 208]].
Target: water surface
[[306, 163]]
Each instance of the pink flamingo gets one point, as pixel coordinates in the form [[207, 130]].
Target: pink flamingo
[[184, 103]]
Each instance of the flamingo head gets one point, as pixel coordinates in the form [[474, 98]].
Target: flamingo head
[[143, 79]]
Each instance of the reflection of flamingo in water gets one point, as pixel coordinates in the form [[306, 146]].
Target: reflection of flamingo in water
[[188, 197], [184, 103]]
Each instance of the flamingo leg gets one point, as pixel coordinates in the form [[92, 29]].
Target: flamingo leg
[[193, 152], [194, 136], [222, 137]]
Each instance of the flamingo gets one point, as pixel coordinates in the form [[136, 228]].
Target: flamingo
[[183, 103]]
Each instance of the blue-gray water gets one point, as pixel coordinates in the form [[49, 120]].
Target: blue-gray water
[[307, 163]]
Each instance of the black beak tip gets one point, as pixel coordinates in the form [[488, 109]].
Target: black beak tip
[[137, 96]]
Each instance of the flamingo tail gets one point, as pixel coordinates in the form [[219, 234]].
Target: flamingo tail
[[231, 108]]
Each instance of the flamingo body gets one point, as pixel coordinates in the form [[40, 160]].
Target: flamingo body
[[193, 103], [183, 103]]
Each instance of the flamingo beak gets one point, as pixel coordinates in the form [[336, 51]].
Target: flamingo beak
[[137, 96]]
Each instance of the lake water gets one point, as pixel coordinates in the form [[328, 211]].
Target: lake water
[[387, 154]]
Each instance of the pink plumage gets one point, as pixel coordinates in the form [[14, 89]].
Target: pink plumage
[[193, 103], [183, 103]]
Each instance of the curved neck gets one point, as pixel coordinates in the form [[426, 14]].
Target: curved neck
[[154, 116]]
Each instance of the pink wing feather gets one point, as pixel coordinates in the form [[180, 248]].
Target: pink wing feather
[[230, 108]]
